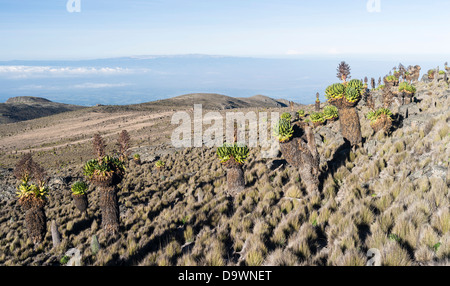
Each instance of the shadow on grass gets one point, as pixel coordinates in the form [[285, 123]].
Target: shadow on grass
[[81, 225], [338, 160]]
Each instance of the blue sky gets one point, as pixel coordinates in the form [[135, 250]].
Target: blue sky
[[32, 29]]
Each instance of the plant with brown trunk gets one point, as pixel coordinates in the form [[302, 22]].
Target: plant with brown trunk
[[232, 157], [407, 91], [331, 113], [32, 197], [297, 144], [372, 83], [345, 96], [317, 118], [380, 119], [106, 173], [317, 104], [389, 92], [79, 195]]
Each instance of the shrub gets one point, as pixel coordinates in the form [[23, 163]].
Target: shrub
[[330, 112], [79, 188], [103, 168], [283, 130], [380, 119], [335, 91], [31, 191], [79, 194], [286, 116], [32, 196], [352, 90], [106, 172], [235, 151], [301, 113], [406, 87], [356, 84], [27, 170], [233, 156], [345, 96], [317, 117], [375, 115], [159, 164], [390, 78]]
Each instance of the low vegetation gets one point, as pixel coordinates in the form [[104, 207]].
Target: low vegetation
[[319, 202]]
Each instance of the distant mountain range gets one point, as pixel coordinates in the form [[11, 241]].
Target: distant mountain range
[[27, 107]]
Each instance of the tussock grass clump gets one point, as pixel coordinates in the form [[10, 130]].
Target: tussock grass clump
[[294, 192], [440, 220], [280, 257], [353, 257], [394, 255]]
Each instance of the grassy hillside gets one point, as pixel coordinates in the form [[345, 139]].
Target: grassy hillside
[[214, 101], [26, 108], [392, 194]]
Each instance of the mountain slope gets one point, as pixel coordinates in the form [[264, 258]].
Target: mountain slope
[[219, 101], [390, 194], [26, 108]]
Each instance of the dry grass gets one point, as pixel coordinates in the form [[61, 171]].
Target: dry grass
[[182, 216]]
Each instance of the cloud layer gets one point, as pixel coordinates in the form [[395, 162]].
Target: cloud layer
[[21, 71], [86, 85]]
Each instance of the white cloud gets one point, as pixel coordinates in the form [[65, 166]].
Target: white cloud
[[99, 85], [49, 71], [31, 87], [87, 85]]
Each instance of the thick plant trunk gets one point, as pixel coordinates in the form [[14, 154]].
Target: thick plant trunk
[[81, 202], [350, 126], [370, 101], [291, 152], [109, 205], [36, 223], [349, 120], [301, 153], [388, 98], [235, 177], [407, 97]]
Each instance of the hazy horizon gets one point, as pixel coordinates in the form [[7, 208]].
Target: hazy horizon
[[139, 79], [71, 50]]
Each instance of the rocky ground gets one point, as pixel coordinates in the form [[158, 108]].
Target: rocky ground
[[391, 194]]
